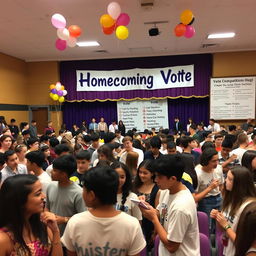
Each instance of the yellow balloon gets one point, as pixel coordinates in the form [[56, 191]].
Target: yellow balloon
[[106, 21], [186, 17], [61, 99], [51, 95], [52, 86], [122, 32], [55, 97], [62, 87]]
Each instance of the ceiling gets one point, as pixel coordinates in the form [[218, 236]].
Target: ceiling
[[27, 33]]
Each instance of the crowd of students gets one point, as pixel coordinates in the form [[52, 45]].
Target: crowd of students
[[95, 192]]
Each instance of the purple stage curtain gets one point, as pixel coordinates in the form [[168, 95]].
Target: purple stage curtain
[[202, 73], [74, 113]]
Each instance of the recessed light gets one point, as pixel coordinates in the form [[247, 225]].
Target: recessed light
[[221, 35], [87, 43]]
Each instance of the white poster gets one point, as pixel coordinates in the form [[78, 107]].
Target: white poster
[[143, 114], [232, 98], [135, 79]]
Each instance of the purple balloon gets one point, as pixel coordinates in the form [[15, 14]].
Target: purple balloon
[[190, 31], [123, 20], [60, 93], [61, 44], [54, 91]]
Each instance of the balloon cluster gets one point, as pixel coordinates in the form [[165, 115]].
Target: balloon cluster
[[185, 28], [66, 36], [58, 92], [116, 21]]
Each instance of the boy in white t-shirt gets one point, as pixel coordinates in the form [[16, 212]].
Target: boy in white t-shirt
[[102, 230], [175, 219]]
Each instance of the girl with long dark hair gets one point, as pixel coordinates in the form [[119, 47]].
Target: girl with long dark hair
[[25, 229], [238, 192], [124, 193], [249, 161]]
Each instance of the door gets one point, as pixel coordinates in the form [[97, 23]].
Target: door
[[40, 115]]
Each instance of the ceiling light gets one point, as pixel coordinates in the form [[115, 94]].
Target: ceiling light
[[221, 35], [87, 43]]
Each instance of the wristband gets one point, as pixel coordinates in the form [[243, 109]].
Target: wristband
[[227, 227]]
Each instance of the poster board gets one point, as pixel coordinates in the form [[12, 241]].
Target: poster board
[[232, 98], [143, 115]]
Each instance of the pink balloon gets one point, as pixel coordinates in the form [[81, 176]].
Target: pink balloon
[[58, 21], [61, 44], [123, 20], [190, 31]]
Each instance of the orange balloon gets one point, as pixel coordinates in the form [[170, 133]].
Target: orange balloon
[[106, 21], [62, 87], [52, 86], [74, 31], [180, 30], [109, 31]]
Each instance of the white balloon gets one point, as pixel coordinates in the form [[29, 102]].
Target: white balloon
[[71, 42], [65, 92], [114, 10], [63, 33], [58, 86]]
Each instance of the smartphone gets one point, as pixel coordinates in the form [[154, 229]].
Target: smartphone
[[140, 203]]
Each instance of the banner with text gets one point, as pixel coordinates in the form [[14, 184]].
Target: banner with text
[[143, 114], [135, 79], [232, 98]]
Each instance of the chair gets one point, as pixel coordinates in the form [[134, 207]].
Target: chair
[[203, 223], [205, 249], [219, 243], [156, 245]]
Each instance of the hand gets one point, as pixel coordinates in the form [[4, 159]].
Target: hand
[[233, 157], [150, 213], [220, 218], [214, 213], [49, 219], [214, 184]]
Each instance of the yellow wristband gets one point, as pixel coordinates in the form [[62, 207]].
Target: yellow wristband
[[227, 227]]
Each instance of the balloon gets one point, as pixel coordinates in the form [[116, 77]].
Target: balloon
[[63, 33], [52, 86], [60, 93], [123, 20], [190, 31], [74, 31], [106, 21], [55, 97], [61, 99], [71, 42], [58, 21], [62, 87], [51, 95], [61, 44], [180, 30], [54, 91], [58, 85], [186, 17], [108, 31], [114, 10], [122, 32], [65, 92]]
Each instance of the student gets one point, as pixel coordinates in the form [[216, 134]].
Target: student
[[12, 167], [210, 180], [154, 152], [102, 230], [35, 160], [95, 138], [171, 148], [218, 139], [6, 143], [13, 128], [83, 164], [33, 144], [246, 227], [238, 192], [24, 228], [21, 151], [124, 193], [147, 190], [249, 161], [47, 156], [242, 141], [64, 198], [178, 225]]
